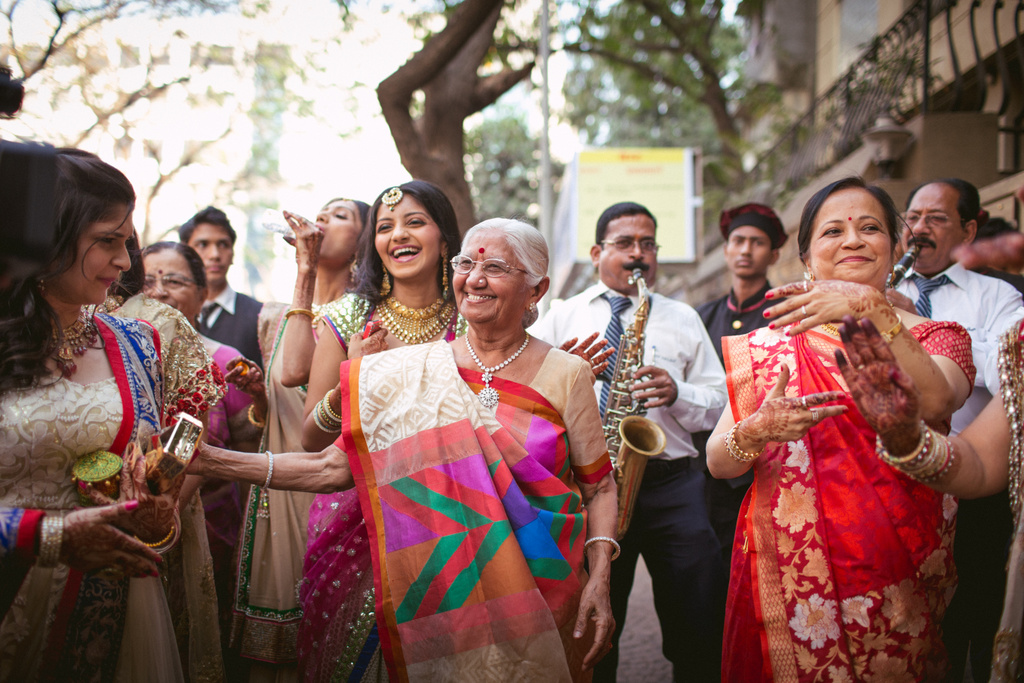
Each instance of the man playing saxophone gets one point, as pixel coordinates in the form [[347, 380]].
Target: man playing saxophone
[[682, 385]]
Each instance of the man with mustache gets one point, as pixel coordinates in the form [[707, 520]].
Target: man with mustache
[[753, 236], [683, 385], [942, 215]]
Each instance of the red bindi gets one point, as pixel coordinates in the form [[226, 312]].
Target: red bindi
[[481, 250], [850, 218]]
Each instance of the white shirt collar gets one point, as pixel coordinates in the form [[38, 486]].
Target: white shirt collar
[[226, 299]]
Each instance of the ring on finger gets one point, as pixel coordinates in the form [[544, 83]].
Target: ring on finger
[[815, 414], [804, 309], [803, 401]]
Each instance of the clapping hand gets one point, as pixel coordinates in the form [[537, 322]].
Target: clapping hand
[[781, 418], [885, 395]]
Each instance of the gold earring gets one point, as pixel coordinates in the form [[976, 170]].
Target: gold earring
[[809, 276], [444, 269], [385, 285]]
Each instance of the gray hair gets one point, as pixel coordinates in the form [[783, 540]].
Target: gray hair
[[527, 245]]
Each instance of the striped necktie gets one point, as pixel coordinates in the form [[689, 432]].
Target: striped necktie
[[925, 287], [613, 334]]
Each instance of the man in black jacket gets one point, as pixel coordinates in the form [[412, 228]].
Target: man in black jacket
[[228, 316]]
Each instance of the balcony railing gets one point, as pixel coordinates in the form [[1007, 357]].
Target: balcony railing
[[895, 76]]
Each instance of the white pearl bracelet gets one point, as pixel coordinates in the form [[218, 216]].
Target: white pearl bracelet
[[606, 539]]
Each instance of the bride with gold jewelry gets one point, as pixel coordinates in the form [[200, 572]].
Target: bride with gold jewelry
[[403, 296]]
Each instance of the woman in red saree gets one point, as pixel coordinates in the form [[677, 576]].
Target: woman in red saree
[[842, 567]]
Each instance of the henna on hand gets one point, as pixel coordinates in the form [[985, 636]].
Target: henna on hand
[[885, 395], [781, 418], [810, 304], [92, 542], [590, 350]]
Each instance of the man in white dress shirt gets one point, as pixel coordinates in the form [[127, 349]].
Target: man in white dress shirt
[[942, 215], [683, 385]]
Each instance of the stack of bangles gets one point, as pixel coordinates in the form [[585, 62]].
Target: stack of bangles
[[324, 416], [927, 463], [735, 451], [604, 539], [51, 536]]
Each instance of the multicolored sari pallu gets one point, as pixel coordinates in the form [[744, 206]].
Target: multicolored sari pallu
[[475, 521]]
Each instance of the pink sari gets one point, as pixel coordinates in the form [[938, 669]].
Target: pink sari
[[842, 566]]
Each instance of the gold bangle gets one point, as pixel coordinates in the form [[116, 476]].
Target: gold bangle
[[326, 400], [736, 452], [259, 424], [300, 311], [896, 329], [163, 541]]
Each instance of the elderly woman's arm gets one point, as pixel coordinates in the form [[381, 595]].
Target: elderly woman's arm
[[323, 472], [595, 604]]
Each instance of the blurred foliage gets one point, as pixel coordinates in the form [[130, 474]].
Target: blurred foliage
[[503, 166]]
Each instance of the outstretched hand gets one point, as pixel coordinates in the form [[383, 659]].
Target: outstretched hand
[[590, 350], [781, 418], [1002, 252], [885, 395]]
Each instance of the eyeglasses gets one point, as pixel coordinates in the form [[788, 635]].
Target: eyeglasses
[[647, 244], [492, 267], [934, 221], [168, 283]]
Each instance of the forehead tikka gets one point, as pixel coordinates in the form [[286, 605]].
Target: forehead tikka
[[392, 197], [481, 250]]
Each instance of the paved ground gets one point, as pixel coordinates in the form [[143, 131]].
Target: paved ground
[[640, 658]]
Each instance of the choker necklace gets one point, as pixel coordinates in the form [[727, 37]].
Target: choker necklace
[[74, 340], [489, 397], [415, 325]]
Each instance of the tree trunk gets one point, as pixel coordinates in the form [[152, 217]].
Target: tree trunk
[[445, 69]]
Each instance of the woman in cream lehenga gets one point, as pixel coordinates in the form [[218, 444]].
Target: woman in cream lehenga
[[80, 387], [273, 536], [405, 290]]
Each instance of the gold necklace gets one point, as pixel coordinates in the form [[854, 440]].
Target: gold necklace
[[74, 340], [415, 325]]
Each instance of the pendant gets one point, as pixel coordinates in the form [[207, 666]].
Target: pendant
[[488, 397]]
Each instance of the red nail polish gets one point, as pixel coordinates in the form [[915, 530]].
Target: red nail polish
[[131, 505], [765, 314], [771, 326], [769, 295]]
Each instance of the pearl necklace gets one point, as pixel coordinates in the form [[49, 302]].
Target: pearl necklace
[[489, 397]]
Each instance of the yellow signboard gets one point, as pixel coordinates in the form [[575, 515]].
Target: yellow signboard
[[662, 179]]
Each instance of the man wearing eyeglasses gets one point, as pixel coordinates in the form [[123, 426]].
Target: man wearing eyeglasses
[[683, 385], [941, 215], [228, 316]]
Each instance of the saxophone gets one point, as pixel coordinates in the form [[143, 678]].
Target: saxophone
[[631, 437]]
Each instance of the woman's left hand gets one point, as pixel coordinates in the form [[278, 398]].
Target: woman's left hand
[[154, 517], [591, 351], [245, 375], [596, 606], [809, 304], [885, 395]]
